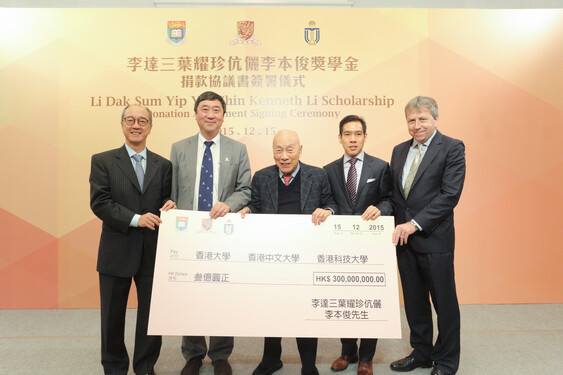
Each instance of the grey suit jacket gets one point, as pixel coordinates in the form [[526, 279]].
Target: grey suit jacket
[[375, 187], [234, 173], [315, 190], [115, 197], [434, 193]]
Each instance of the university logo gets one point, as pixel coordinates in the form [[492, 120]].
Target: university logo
[[181, 223], [245, 33], [312, 34], [206, 224], [229, 228], [176, 32]]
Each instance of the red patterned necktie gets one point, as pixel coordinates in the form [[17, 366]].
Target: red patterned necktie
[[286, 179]]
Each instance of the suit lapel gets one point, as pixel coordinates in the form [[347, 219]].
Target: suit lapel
[[191, 161], [339, 170], [401, 166], [306, 183], [152, 167], [367, 167], [428, 157], [272, 186], [226, 149], [124, 163]]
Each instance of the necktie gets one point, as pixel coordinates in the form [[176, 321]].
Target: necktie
[[205, 201], [139, 169], [414, 168], [351, 180], [286, 179]]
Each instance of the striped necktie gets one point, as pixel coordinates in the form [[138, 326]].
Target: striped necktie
[[351, 180], [414, 168]]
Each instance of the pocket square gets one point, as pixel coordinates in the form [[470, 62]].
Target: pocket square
[[370, 180]]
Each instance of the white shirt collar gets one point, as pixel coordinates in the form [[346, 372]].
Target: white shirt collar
[[132, 152], [360, 157], [215, 140], [427, 143]]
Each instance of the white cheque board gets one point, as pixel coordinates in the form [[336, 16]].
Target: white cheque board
[[274, 275]]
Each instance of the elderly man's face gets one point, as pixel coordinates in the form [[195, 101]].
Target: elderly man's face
[[287, 151], [209, 117], [421, 124]]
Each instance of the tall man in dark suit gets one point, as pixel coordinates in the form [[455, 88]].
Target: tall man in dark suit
[[361, 185], [290, 187], [128, 185], [428, 174], [211, 172]]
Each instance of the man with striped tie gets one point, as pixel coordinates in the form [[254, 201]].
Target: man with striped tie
[[361, 185]]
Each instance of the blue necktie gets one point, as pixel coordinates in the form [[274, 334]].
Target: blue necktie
[[139, 169], [205, 201]]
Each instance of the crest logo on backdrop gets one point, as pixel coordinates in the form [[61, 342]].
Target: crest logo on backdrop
[[245, 34], [312, 34], [176, 32]]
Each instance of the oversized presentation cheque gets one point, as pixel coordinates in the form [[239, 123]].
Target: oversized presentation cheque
[[274, 275]]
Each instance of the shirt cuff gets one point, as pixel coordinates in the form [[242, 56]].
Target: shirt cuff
[[416, 225], [134, 220]]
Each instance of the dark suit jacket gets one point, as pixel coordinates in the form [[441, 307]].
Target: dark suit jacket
[[434, 193], [375, 187], [115, 197], [315, 190]]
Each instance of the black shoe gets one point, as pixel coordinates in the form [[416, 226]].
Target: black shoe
[[436, 371], [222, 367], [409, 364], [264, 369], [191, 367], [315, 372]]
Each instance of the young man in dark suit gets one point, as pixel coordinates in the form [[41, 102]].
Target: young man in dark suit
[[290, 187], [128, 186], [428, 175], [361, 185]]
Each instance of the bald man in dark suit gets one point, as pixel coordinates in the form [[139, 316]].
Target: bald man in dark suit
[[428, 174], [128, 186], [290, 187]]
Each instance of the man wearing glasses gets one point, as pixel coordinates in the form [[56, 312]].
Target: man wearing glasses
[[128, 185]]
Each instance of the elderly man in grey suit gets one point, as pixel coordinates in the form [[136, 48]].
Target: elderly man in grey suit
[[428, 174], [128, 185], [290, 187], [361, 185], [210, 172]]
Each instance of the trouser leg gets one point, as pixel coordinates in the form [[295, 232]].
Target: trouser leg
[[114, 292]]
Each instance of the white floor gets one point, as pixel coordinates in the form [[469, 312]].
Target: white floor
[[496, 339]]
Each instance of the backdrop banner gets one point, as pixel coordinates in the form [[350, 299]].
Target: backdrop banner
[[66, 74]]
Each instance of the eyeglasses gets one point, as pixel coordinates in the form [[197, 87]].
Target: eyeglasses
[[130, 121]]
